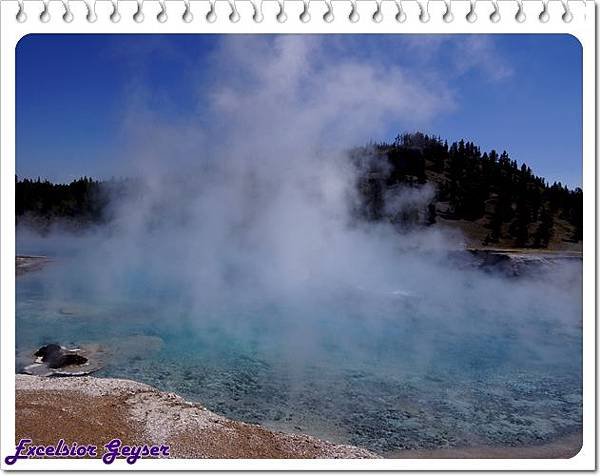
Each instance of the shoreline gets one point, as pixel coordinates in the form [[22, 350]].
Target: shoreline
[[136, 413], [525, 253], [94, 410], [29, 263]]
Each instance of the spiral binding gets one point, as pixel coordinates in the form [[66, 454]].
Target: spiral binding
[[305, 16]]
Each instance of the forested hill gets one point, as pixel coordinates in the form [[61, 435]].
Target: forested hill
[[76, 205], [490, 198]]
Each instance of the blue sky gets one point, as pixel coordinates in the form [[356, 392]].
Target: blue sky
[[84, 100]]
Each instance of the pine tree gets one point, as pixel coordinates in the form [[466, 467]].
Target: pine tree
[[545, 230], [431, 213]]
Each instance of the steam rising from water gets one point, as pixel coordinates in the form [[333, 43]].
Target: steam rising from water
[[255, 195], [243, 222]]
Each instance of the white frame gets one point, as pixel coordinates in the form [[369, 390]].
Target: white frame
[[582, 27]]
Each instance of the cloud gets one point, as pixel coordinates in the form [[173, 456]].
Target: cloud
[[345, 89], [451, 57], [478, 52]]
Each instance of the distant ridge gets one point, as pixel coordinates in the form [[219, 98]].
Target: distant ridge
[[493, 202]]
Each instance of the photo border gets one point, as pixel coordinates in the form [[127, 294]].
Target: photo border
[[581, 27]]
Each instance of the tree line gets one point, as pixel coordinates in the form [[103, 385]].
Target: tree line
[[80, 203], [515, 206]]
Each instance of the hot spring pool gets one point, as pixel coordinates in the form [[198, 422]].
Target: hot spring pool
[[377, 368]]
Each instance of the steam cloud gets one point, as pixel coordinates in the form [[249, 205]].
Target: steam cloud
[[249, 202]]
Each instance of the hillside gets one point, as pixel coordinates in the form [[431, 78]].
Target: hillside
[[415, 181], [492, 200]]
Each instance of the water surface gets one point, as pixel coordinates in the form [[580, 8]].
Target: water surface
[[381, 369]]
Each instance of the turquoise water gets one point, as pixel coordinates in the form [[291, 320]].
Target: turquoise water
[[381, 370]]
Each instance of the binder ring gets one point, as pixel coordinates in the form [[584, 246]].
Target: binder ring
[[328, 15], [377, 15], [495, 15], [45, 15], [567, 16], [520, 15], [162, 15], [305, 16], [115, 16], [91, 16], [448, 16], [354, 16], [281, 16], [21, 15], [138, 16], [211, 16], [472, 16], [401, 15], [424, 16], [544, 16], [234, 16], [187, 14], [68, 15], [258, 14]]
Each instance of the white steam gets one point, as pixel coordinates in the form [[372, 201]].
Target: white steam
[[249, 200]]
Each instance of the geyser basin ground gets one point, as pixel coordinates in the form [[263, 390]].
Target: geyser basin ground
[[381, 368]]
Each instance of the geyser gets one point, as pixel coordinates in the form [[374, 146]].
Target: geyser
[[239, 257]]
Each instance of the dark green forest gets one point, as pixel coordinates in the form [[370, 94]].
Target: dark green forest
[[492, 199], [488, 196], [76, 205]]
